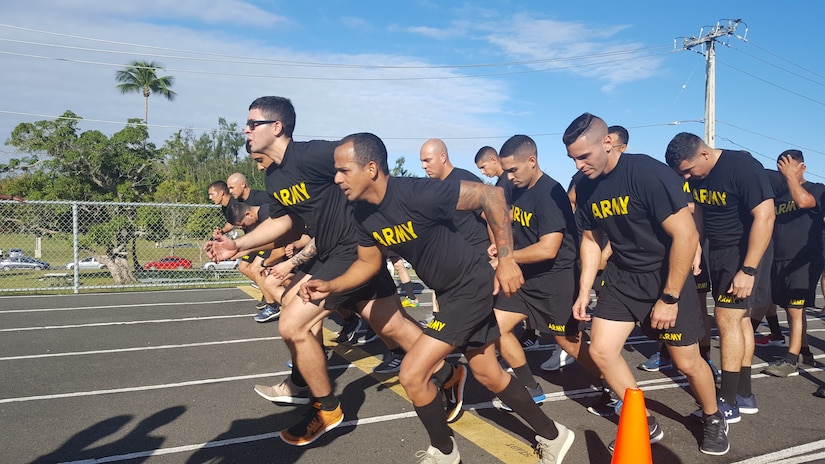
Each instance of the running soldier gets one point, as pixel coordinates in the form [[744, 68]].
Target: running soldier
[[412, 217], [735, 211], [641, 207]]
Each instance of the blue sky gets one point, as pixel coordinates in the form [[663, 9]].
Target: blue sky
[[472, 73]]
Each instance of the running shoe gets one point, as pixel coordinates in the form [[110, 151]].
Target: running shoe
[[715, 437], [284, 392], [769, 340], [534, 344], [350, 327], [269, 313], [362, 338], [656, 433], [315, 423], [747, 404], [820, 392], [655, 362], [536, 393], [557, 360], [408, 302], [553, 451], [433, 456], [390, 365], [781, 368], [729, 412], [261, 304], [454, 392], [605, 406]]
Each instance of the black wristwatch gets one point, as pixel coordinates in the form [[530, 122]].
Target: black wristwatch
[[751, 271], [669, 299]]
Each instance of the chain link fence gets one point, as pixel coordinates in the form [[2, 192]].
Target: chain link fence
[[57, 246]]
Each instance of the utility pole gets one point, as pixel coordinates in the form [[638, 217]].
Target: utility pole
[[707, 43]]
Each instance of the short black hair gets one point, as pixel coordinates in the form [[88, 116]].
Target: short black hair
[[624, 137], [219, 185], [235, 211], [278, 109], [577, 128], [368, 147], [484, 151], [795, 154], [683, 146], [520, 145]]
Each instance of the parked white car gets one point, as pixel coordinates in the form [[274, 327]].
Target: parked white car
[[223, 265], [88, 263]]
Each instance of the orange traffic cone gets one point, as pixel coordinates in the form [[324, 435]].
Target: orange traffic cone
[[633, 437]]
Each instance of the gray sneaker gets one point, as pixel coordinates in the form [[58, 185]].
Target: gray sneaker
[[433, 456], [553, 451], [284, 392], [390, 365], [782, 368]]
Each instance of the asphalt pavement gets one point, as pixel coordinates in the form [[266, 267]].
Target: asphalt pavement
[[167, 377]]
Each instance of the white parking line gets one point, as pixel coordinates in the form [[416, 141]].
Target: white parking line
[[105, 324], [152, 305], [139, 348], [792, 455]]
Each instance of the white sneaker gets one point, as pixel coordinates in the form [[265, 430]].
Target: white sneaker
[[557, 360], [284, 392], [553, 451], [434, 456]]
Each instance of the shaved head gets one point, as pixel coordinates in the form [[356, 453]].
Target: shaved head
[[434, 159]]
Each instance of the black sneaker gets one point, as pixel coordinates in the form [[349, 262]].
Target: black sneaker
[[362, 338], [656, 433], [605, 406], [715, 440], [349, 329]]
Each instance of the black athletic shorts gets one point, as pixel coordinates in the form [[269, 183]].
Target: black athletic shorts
[[703, 284], [465, 317], [793, 283], [335, 264], [547, 301], [263, 254], [630, 296], [724, 264]]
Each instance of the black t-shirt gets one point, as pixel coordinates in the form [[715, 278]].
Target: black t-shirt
[[303, 186], [224, 208], [797, 232], [414, 220], [507, 186], [470, 223], [629, 204], [735, 185], [540, 210], [257, 198]]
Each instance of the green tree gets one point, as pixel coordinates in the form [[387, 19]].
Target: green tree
[[398, 170], [141, 77], [120, 168]]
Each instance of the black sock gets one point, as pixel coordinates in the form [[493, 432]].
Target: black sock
[[805, 351], [744, 388], [525, 376], [792, 358], [441, 376], [755, 323], [434, 419], [730, 382], [399, 351], [717, 414], [352, 317], [516, 397], [773, 323], [272, 304], [328, 403], [297, 378], [664, 355], [408, 289]]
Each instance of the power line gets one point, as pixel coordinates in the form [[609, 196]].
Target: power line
[[784, 59], [774, 85], [779, 67], [319, 78], [773, 160], [771, 138]]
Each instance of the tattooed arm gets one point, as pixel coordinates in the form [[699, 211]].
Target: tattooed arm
[[475, 195]]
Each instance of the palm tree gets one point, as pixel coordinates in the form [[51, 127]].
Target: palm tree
[[140, 76]]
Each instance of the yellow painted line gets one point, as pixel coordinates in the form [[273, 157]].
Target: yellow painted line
[[251, 291], [483, 434]]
